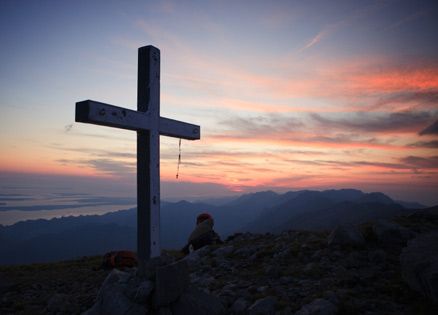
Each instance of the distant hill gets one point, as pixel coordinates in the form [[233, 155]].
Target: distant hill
[[313, 210], [410, 204], [267, 211]]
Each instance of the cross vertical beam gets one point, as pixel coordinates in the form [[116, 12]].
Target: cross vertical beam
[[148, 124], [148, 150]]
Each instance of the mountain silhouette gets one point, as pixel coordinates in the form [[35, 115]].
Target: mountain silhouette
[[266, 211]]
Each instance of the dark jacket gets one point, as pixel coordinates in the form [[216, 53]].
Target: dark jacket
[[201, 236]]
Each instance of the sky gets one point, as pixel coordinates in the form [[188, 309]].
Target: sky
[[289, 94]]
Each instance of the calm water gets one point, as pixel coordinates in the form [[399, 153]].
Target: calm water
[[24, 203], [36, 196]]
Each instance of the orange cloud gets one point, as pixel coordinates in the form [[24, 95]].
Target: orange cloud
[[395, 80], [301, 139], [24, 165]]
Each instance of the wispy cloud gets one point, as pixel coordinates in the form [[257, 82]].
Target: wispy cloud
[[352, 130], [430, 130], [425, 144], [96, 152], [421, 162], [345, 22], [68, 127], [268, 124], [239, 86], [114, 136], [395, 78], [407, 19], [376, 122], [343, 164], [105, 166], [407, 100], [407, 163], [308, 140], [318, 37], [112, 167]]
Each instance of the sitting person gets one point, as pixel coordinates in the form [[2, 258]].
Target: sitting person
[[202, 235]]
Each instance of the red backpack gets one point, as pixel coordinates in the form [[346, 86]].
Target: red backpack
[[119, 259]]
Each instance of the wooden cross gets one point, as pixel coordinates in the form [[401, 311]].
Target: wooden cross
[[149, 126]]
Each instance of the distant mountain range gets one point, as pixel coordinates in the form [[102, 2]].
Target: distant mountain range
[[267, 211]]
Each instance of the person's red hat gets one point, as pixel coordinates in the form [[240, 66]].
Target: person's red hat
[[202, 217]]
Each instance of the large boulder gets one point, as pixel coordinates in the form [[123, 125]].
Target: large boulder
[[239, 306], [161, 284], [170, 282], [428, 214], [196, 302], [346, 235], [419, 265], [144, 291], [318, 307], [223, 251], [112, 300], [150, 268], [263, 306], [389, 233], [195, 257], [60, 303]]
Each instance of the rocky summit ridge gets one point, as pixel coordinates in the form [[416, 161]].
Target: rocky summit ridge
[[381, 267]]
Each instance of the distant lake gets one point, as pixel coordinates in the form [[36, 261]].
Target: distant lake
[[20, 203]]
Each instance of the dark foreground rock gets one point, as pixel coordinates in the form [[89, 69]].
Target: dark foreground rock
[[164, 290], [392, 234], [318, 307], [350, 270], [67, 287], [113, 299], [196, 302], [419, 263], [346, 236], [263, 306], [170, 283]]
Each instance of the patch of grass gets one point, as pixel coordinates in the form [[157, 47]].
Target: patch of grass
[[31, 286], [217, 284], [18, 306], [417, 224], [291, 271], [295, 248], [258, 271], [315, 271], [368, 233], [424, 307], [267, 251], [345, 307], [260, 295]]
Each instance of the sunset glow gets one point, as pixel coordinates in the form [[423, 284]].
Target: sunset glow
[[288, 95]]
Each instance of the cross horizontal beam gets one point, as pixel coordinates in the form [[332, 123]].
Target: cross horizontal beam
[[113, 116]]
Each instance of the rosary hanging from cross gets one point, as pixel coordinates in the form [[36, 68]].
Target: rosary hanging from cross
[[179, 159]]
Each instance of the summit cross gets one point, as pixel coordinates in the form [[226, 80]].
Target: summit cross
[[148, 124]]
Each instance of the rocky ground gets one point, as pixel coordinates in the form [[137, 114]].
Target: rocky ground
[[353, 270], [41, 288], [295, 269]]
